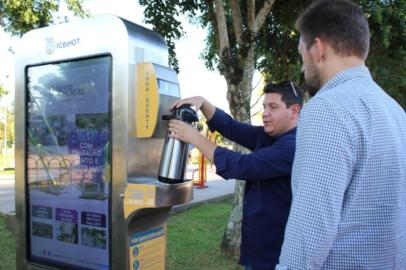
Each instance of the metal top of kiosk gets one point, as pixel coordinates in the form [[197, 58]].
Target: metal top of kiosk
[[92, 36]]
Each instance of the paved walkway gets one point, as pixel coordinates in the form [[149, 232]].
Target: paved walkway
[[7, 194], [217, 189]]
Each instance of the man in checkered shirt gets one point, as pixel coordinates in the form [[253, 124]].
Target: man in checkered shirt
[[349, 172]]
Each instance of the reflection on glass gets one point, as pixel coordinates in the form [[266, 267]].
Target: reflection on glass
[[68, 162]]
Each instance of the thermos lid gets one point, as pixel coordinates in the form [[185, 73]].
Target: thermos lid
[[184, 113]]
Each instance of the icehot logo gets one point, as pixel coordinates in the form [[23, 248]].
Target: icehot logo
[[50, 45]]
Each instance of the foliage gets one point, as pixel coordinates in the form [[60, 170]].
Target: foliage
[[19, 17], [153, 15], [3, 91], [274, 42], [278, 56], [387, 56], [276, 45], [165, 18]]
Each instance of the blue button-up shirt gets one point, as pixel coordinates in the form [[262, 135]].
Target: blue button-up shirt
[[267, 198], [348, 179]]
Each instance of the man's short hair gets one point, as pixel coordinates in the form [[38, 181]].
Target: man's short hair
[[290, 92], [341, 23]]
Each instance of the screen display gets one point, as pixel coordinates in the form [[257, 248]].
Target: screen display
[[68, 157]]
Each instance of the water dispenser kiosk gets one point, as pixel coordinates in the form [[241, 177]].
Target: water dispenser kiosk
[[90, 96]]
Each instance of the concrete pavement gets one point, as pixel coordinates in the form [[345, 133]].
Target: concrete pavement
[[217, 189], [7, 193]]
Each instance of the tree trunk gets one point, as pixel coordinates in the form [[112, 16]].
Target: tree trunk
[[239, 98], [238, 70], [230, 245]]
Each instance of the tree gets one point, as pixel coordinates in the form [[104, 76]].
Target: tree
[[18, 17], [244, 35], [278, 41], [387, 55], [233, 29]]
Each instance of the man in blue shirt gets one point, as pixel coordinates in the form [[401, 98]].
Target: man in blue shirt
[[349, 174], [266, 170]]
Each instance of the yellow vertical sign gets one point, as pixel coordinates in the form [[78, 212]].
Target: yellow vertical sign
[[146, 100], [148, 249]]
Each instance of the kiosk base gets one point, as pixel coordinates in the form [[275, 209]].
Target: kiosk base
[[147, 203]]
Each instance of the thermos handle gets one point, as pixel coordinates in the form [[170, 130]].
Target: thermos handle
[[184, 113], [168, 117]]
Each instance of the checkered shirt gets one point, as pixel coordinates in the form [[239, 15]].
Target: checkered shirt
[[348, 180]]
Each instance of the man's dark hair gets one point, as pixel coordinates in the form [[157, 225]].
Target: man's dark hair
[[290, 92], [341, 23]]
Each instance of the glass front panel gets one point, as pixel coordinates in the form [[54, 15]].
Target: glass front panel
[[68, 157]]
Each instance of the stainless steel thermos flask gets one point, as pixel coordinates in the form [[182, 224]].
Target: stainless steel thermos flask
[[175, 153]]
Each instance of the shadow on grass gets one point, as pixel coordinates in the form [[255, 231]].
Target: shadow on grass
[[194, 238]]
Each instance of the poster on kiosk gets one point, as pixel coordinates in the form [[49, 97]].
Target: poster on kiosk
[[90, 96], [68, 162]]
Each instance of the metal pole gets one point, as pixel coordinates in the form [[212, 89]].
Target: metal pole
[[5, 139], [4, 135], [202, 172]]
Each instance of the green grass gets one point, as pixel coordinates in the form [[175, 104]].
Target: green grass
[[193, 240], [7, 247], [6, 172]]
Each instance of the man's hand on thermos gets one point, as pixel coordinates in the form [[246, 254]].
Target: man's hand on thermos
[[200, 103], [183, 131]]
